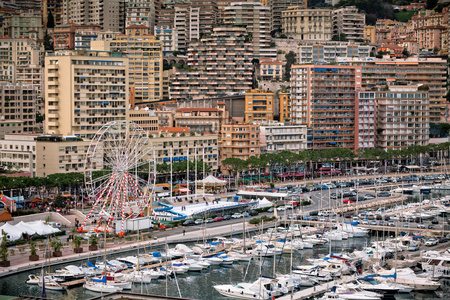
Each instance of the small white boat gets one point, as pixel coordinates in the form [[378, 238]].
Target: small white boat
[[241, 292], [34, 279], [214, 261], [53, 285], [101, 287]]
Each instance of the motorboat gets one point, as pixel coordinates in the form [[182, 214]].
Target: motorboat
[[115, 279], [182, 248], [239, 256], [409, 278], [52, 285], [70, 272], [373, 285], [34, 279], [193, 265], [304, 280], [213, 260], [101, 286], [314, 272], [354, 293], [240, 291], [176, 267]]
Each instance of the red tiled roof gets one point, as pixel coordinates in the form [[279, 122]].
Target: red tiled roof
[[221, 103], [137, 26]]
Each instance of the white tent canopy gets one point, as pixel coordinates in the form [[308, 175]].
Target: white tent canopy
[[15, 232], [263, 203], [211, 180]]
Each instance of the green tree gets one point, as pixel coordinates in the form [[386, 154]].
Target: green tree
[[406, 52], [3, 248], [290, 60], [50, 20], [48, 44]]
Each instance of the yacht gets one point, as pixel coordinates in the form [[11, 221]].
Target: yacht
[[409, 278], [436, 265], [70, 272], [388, 289], [114, 279], [354, 293], [242, 291], [52, 285]]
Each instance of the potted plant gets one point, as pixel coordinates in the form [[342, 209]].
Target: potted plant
[[33, 253], [77, 240], [93, 242], [4, 251], [56, 245]]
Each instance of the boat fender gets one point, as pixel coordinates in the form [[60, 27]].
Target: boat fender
[[228, 290], [242, 292]]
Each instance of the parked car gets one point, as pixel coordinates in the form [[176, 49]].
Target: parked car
[[381, 223], [391, 223], [253, 213], [387, 218], [188, 223], [369, 197], [237, 216], [435, 221], [430, 226], [406, 225], [442, 239], [365, 222], [414, 248], [384, 194], [421, 225], [218, 219], [314, 218], [379, 217], [226, 217], [198, 221], [271, 209], [209, 220], [281, 208], [431, 242], [373, 222]]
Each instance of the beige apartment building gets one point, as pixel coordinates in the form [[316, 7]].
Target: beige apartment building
[[240, 141], [10, 127], [59, 154], [140, 12], [402, 118], [23, 23], [278, 6], [109, 14], [145, 58], [307, 24], [348, 21], [427, 71], [18, 152], [202, 119], [144, 118], [18, 103], [84, 91], [181, 145], [256, 18]]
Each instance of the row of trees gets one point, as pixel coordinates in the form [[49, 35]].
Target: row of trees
[[58, 182], [287, 159]]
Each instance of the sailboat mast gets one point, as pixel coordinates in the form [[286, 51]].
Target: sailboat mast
[[243, 231]]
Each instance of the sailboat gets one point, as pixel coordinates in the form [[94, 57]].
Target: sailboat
[[48, 282], [101, 286]]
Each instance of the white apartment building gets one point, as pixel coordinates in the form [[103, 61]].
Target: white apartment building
[[403, 117], [366, 124], [18, 153], [348, 21], [329, 51], [278, 137], [84, 91], [168, 37]]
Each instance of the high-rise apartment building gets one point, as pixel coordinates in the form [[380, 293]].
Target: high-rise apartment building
[[307, 24], [428, 71], [256, 19], [366, 120], [18, 102], [106, 13], [325, 98], [240, 141], [19, 152], [145, 61], [84, 91], [402, 118], [348, 21], [140, 12], [259, 106], [278, 6], [222, 65]]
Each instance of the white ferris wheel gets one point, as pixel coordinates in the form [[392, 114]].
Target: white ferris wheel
[[120, 174]]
